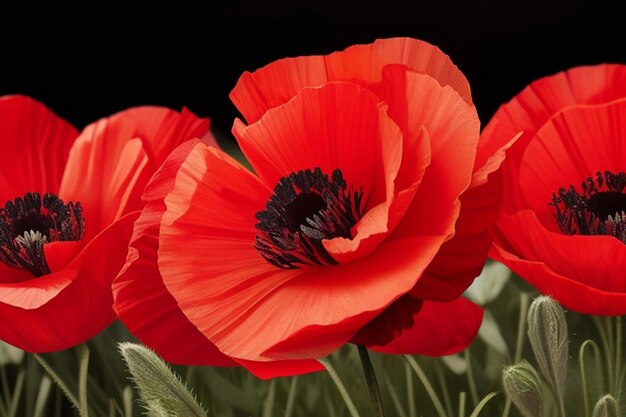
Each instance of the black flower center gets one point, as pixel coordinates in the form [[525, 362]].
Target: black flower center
[[306, 207], [600, 209], [29, 222]]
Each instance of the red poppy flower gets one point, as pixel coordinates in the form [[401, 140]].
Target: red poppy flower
[[365, 219], [562, 226], [69, 201]]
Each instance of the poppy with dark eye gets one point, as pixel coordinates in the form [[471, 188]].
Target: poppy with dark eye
[[365, 219], [563, 227], [68, 201]]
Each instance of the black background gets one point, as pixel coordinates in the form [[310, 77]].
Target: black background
[[88, 59]]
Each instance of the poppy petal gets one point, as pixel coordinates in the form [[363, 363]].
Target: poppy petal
[[40, 138], [568, 292], [581, 272], [59, 322], [113, 159], [141, 300], [276, 83], [575, 144], [438, 329], [242, 293], [381, 220], [453, 127], [266, 370], [144, 305], [336, 126], [538, 102], [461, 258], [329, 305]]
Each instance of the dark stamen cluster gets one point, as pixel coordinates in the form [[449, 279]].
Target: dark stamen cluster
[[306, 207], [29, 222], [598, 210]]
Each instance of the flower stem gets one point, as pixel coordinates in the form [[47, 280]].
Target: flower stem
[[470, 378], [410, 390], [372, 384], [291, 397], [83, 365], [583, 371], [342, 389], [427, 385], [607, 348], [618, 357], [57, 379]]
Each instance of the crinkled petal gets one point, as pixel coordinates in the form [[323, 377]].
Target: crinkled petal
[[35, 147], [229, 292], [453, 127], [538, 102], [581, 272], [438, 329], [276, 83], [572, 146], [73, 305], [337, 126], [114, 158], [461, 258], [144, 305]]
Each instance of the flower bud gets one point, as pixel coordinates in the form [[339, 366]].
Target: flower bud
[[522, 385], [605, 407], [547, 331], [162, 392]]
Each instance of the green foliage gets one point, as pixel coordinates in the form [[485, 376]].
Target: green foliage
[[462, 385]]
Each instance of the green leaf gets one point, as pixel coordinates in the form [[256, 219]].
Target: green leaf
[[163, 393]]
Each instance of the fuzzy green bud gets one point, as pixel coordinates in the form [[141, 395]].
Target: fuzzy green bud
[[605, 407], [547, 331], [522, 385]]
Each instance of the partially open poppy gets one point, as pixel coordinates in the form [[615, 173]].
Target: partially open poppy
[[563, 225], [68, 203], [364, 220]]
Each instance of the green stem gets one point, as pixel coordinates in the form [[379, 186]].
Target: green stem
[[583, 371], [57, 379], [427, 385], [482, 404], [607, 349], [470, 378], [17, 393], [410, 391], [372, 383], [521, 326], [340, 387], [83, 367], [5, 386], [444, 388], [269, 400], [394, 397], [519, 342], [618, 357], [291, 397], [462, 396]]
